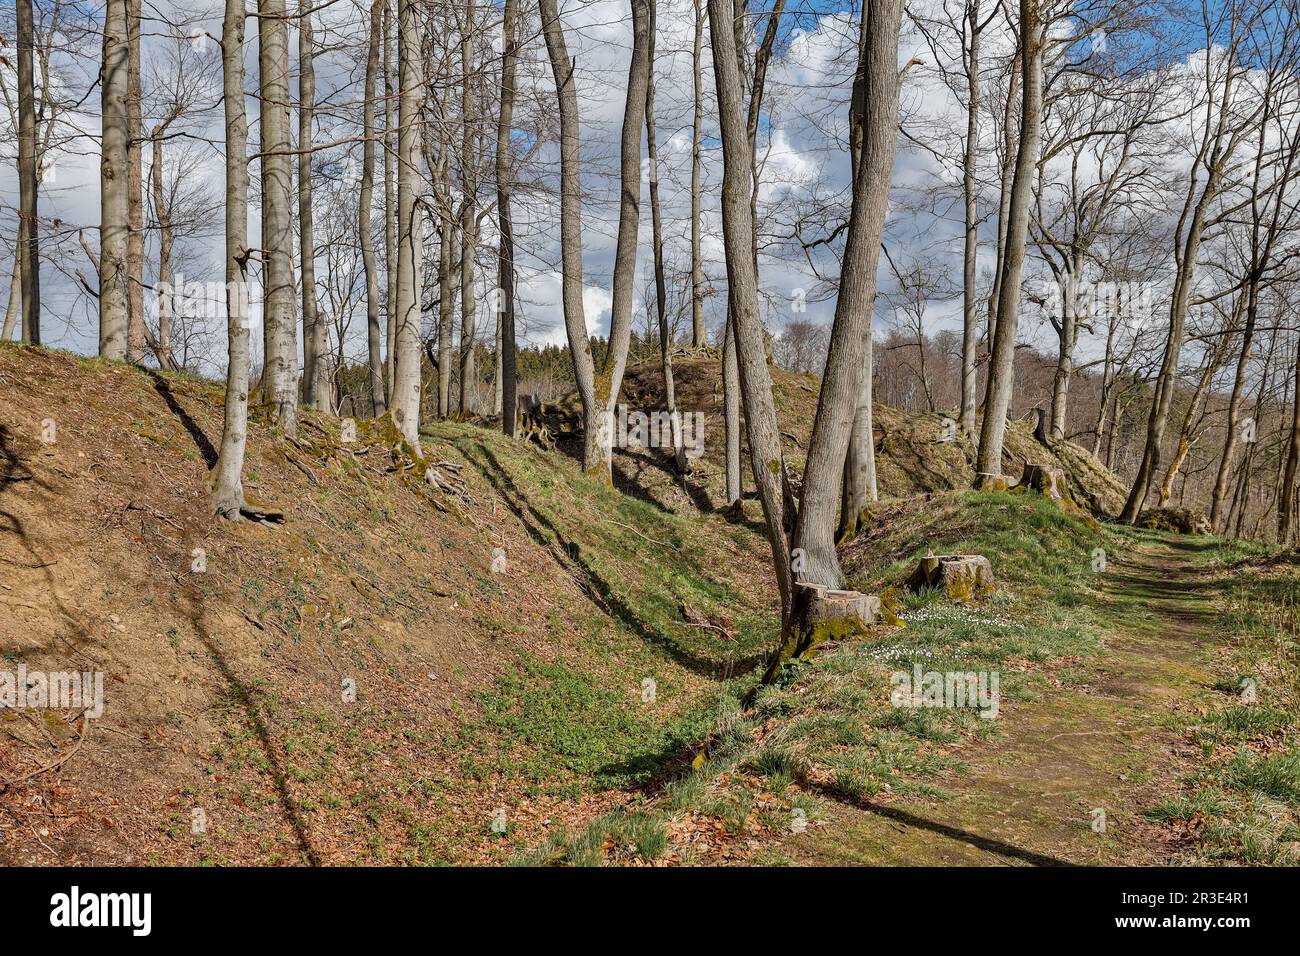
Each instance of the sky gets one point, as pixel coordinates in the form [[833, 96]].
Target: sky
[[802, 137]]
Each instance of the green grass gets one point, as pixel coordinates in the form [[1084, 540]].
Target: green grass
[[644, 564], [1244, 797], [563, 726], [617, 836], [829, 722]]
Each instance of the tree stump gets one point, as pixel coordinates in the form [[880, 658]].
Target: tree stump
[[1045, 479], [962, 576], [822, 614], [994, 482]]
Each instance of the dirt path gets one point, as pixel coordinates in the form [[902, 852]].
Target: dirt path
[[1030, 796]]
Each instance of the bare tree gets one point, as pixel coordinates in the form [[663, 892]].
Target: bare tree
[[314, 394], [135, 335], [1001, 366], [666, 343], [114, 225], [405, 404], [374, 334], [27, 260], [227, 483], [820, 503], [697, 142], [1224, 128], [505, 305], [280, 332], [742, 280]]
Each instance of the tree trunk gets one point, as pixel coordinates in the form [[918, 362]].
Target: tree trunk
[[575, 322], [997, 396], [405, 405], [27, 260], [468, 222], [507, 384], [970, 330], [1286, 499], [860, 459], [390, 211], [610, 380], [731, 411], [1004, 196], [844, 382], [15, 285], [228, 489], [374, 334], [114, 217], [468, 332], [666, 343], [314, 386], [162, 210], [738, 228], [280, 371], [446, 300], [697, 141], [135, 336], [1067, 341]]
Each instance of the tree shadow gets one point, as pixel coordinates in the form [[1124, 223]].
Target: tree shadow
[[899, 815], [568, 553], [245, 697], [14, 474], [163, 388]]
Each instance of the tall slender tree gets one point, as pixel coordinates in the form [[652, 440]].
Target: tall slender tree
[[405, 405], [846, 365], [280, 338], [228, 487], [27, 260], [374, 333], [114, 216], [997, 395], [315, 382], [505, 304], [135, 330]]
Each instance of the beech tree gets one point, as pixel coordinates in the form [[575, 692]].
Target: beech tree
[[114, 217], [228, 483], [27, 272], [1224, 124], [405, 401], [374, 334], [280, 331], [997, 396]]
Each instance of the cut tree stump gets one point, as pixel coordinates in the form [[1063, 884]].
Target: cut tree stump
[[822, 604], [962, 576], [1045, 479], [824, 614]]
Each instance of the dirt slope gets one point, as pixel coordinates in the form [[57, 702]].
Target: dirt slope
[[359, 684], [226, 687], [915, 451]]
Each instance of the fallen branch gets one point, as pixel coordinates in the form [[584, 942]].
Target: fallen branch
[[85, 731]]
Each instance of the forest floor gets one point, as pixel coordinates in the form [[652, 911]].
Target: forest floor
[[545, 669], [1073, 773]]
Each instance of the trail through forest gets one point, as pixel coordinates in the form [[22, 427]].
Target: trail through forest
[[1037, 794]]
